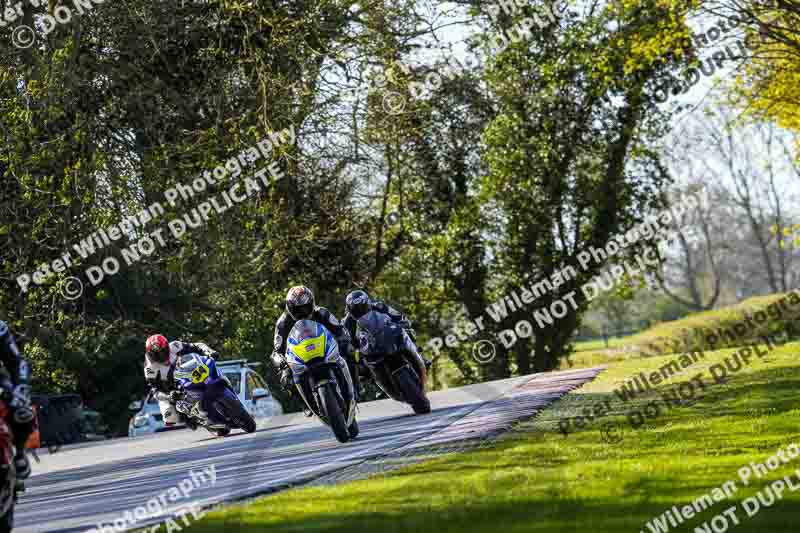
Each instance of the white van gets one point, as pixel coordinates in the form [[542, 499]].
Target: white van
[[250, 386]]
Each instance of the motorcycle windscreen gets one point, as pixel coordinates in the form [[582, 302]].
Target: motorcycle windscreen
[[378, 334], [309, 340], [194, 371], [306, 341]]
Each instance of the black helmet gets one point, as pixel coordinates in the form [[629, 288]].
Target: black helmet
[[357, 303], [300, 302]]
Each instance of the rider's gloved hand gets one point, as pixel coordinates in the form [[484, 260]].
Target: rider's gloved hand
[[21, 404], [175, 396], [287, 378]]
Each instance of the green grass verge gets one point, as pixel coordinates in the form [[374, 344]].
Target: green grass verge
[[536, 479], [694, 332]]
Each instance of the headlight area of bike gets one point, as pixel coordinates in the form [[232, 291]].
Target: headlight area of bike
[[193, 372], [311, 352]]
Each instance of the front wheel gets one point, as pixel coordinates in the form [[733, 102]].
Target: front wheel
[[236, 413], [250, 427], [409, 383], [7, 520], [245, 421], [333, 412], [353, 429]]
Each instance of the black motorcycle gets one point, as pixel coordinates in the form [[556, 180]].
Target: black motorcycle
[[398, 371]]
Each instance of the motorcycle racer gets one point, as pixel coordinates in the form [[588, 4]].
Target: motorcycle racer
[[300, 306], [20, 403], [160, 360], [358, 303]]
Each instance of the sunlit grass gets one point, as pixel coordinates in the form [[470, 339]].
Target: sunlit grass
[[686, 334], [536, 479]]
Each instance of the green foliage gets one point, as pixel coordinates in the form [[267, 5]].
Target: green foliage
[[500, 175], [104, 115], [567, 156]]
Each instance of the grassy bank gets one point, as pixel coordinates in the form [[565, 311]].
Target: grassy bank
[[536, 479], [709, 330]]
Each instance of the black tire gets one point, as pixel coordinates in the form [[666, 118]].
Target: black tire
[[333, 412], [246, 421], [234, 410], [250, 427], [409, 383], [7, 520], [353, 429], [223, 432]]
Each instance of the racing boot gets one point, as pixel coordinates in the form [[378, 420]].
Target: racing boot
[[190, 422]]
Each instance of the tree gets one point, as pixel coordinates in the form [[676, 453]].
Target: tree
[[752, 166], [104, 115], [568, 157], [765, 88]]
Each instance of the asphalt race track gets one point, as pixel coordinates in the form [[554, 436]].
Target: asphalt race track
[[81, 486]]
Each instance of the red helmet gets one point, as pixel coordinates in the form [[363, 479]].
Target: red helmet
[[157, 349]]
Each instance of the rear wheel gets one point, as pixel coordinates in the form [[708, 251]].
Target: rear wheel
[[333, 412], [410, 384]]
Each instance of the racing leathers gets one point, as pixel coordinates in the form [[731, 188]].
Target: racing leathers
[[160, 376], [321, 315], [21, 419]]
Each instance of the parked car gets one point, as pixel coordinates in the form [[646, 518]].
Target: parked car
[[59, 417], [148, 419], [251, 388], [63, 419], [93, 427], [248, 384]]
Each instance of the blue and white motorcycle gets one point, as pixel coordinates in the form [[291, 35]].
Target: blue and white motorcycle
[[322, 377], [207, 397]]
